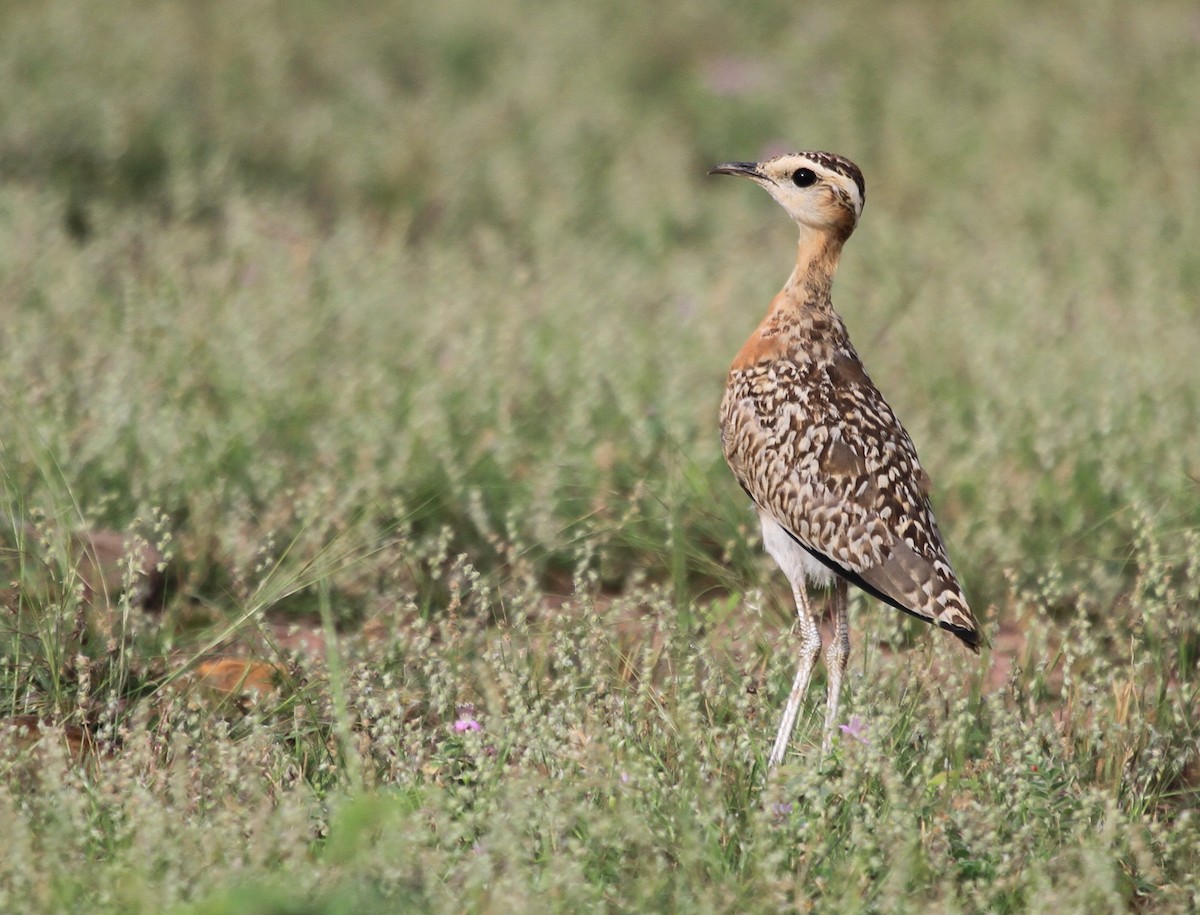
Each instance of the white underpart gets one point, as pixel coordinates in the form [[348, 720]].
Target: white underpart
[[801, 567], [797, 563]]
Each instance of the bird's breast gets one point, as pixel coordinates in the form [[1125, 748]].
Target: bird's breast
[[773, 423]]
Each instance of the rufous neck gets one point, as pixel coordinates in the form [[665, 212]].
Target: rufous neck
[[817, 256]]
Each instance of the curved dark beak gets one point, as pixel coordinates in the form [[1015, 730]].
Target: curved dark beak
[[745, 169]]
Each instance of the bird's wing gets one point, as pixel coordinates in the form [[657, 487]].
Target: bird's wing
[[817, 447]]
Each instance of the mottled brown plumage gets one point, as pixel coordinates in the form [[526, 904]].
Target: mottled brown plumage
[[836, 480]]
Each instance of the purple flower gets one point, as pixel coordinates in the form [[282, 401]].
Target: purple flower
[[467, 724], [856, 728], [782, 808]]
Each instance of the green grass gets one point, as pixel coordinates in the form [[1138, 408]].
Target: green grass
[[408, 323]]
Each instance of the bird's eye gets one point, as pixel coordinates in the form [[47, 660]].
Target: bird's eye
[[804, 177]]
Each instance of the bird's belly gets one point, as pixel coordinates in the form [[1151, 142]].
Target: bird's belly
[[796, 562]]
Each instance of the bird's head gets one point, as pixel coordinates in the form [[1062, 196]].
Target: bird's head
[[819, 190]]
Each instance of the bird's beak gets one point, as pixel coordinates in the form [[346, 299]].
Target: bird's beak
[[745, 169]]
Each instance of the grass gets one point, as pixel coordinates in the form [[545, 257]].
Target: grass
[[405, 328]]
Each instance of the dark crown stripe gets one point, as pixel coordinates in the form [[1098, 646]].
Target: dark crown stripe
[[842, 167]]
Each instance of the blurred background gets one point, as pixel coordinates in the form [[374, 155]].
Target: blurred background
[[376, 348], [280, 271]]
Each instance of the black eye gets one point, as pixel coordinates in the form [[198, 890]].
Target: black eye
[[804, 177]]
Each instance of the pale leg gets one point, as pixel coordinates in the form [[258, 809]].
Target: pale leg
[[810, 647], [836, 653]]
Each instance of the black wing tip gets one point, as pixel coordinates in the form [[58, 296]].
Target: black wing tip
[[969, 637]]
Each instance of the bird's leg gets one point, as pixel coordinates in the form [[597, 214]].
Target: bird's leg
[[836, 653], [810, 647]]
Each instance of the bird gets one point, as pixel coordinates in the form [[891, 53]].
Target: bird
[[840, 493]]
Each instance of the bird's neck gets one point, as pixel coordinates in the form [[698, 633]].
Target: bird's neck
[[801, 323], [816, 262]]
